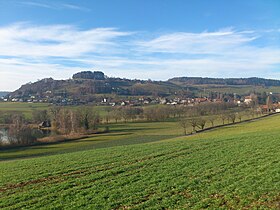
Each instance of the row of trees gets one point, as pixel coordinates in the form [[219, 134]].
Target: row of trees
[[61, 120], [199, 122], [68, 121], [163, 112], [19, 132], [85, 119]]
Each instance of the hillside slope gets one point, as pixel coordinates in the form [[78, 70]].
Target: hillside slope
[[225, 81], [94, 86], [233, 167], [89, 90]]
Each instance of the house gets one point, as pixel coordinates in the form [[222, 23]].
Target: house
[[248, 100], [264, 108], [45, 124], [163, 101], [201, 100]]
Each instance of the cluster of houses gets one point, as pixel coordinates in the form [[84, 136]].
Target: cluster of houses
[[139, 101], [158, 100], [244, 101], [46, 98]]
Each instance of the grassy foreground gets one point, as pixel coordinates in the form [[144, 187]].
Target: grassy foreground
[[228, 168]]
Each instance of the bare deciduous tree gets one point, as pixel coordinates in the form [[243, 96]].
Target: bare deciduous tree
[[184, 124], [223, 117], [193, 122], [232, 117], [201, 123], [212, 120]]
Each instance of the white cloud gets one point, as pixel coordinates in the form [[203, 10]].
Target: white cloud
[[55, 40], [197, 43]]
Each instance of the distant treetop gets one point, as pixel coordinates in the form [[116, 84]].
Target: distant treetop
[[98, 75]]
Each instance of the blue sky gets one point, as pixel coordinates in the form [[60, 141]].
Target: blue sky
[[146, 39]]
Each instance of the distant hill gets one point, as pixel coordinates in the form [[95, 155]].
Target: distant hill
[[90, 86], [228, 81], [3, 93]]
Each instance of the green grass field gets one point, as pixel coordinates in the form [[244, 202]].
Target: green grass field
[[233, 167], [24, 108], [28, 108]]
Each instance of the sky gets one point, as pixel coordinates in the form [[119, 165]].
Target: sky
[[143, 39]]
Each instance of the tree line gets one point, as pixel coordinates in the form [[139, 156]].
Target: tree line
[[62, 121], [86, 119]]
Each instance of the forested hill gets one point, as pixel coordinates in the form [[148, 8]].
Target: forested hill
[[86, 86], [90, 86], [227, 81]]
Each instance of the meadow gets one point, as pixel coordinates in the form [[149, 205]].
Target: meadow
[[149, 165], [24, 108], [28, 108]]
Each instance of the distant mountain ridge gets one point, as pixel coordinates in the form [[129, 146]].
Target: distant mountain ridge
[[224, 81], [90, 86]]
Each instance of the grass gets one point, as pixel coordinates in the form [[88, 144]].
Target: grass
[[24, 108], [28, 108], [229, 168], [120, 134]]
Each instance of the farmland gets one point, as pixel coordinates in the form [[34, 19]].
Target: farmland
[[24, 108], [149, 165], [28, 108]]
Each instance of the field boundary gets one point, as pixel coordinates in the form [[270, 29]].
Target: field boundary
[[235, 123]]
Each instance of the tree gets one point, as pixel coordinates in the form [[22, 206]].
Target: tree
[[108, 115], [184, 124], [223, 117], [64, 124], [212, 120], [239, 116], [74, 121], [19, 132], [232, 117], [1, 139], [193, 122], [201, 123], [39, 116], [89, 119], [125, 113], [116, 114], [54, 115]]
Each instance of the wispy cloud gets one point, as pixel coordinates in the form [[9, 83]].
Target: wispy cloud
[[75, 7], [29, 52], [56, 40], [54, 5], [198, 43], [37, 4]]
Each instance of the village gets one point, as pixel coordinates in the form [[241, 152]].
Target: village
[[264, 103]]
